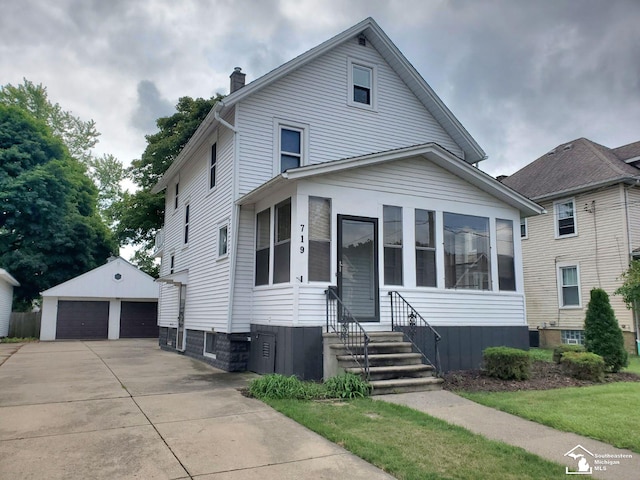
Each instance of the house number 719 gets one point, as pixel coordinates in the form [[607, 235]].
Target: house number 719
[[301, 237]]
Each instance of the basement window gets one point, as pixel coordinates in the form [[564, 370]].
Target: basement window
[[210, 344]]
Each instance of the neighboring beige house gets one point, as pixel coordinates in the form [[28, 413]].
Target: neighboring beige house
[[586, 239]]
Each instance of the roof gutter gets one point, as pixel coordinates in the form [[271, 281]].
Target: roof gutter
[[216, 116]]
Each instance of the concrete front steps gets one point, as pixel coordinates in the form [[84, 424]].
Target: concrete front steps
[[393, 367]]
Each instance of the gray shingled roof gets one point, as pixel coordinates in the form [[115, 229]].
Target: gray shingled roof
[[574, 166]]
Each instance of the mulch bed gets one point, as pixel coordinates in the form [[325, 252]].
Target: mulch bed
[[544, 376]]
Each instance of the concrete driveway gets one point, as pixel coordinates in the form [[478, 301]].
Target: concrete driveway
[[125, 409]]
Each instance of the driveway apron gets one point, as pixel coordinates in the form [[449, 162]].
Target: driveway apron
[[126, 409]]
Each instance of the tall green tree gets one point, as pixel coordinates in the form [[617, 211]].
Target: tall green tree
[[50, 229], [602, 334], [79, 136], [141, 214]]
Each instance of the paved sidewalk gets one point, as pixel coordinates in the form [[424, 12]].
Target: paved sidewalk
[[125, 409], [533, 437]]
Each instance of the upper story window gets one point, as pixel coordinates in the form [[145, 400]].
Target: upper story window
[[565, 218], [172, 264], [290, 148], [392, 217], [186, 224], [425, 248], [466, 252], [362, 85], [175, 200], [212, 165]]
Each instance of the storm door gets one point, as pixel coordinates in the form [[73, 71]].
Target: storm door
[[358, 266]]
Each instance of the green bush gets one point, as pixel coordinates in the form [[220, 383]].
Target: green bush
[[602, 334], [507, 363], [584, 365], [562, 349], [276, 387], [347, 385]]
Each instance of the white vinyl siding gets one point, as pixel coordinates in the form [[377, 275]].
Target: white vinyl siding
[[315, 95]]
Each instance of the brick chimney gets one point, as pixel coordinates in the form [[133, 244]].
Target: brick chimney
[[237, 79]]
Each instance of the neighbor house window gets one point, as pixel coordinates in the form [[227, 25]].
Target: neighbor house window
[[524, 228], [186, 224], [263, 226], [290, 148], [282, 242], [212, 165], [572, 337], [172, 264], [565, 213], [175, 199], [506, 265], [425, 248], [210, 344], [223, 236], [466, 252], [319, 239], [569, 281], [392, 217]]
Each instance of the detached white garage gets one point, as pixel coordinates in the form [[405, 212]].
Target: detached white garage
[[116, 300], [7, 282]]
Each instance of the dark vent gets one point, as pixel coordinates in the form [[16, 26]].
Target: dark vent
[[569, 146], [552, 152], [266, 349], [362, 40]]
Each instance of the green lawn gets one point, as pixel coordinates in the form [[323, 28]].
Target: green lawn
[[604, 412], [412, 445], [634, 364]]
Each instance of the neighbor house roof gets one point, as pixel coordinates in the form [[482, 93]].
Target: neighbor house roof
[[576, 166], [396, 60], [429, 151]]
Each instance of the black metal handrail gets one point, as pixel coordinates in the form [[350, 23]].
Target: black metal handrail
[[352, 335], [406, 319]]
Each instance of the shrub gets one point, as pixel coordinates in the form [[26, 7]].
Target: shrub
[[562, 349], [276, 386], [584, 365], [347, 385], [507, 363], [602, 334]]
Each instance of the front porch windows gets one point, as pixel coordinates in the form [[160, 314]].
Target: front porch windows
[[425, 248], [282, 242], [506, 265], [263, 227], [392, 218], [319, 239], [466, 252]]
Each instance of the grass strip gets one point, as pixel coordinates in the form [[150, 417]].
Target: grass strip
[[605, 412], [412, 445]]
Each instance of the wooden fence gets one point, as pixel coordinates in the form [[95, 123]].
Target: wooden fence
[[25, 324]]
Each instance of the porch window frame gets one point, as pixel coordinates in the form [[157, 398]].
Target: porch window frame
[[512, 266], [316, 242], [431, 247], [281, 242], [387, 248]]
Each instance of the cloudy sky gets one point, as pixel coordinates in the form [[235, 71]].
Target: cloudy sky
[[522, 76]]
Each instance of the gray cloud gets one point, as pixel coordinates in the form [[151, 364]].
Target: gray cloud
[[150, 107]]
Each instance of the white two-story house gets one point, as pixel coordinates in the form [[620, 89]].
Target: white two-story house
[[340, 171]]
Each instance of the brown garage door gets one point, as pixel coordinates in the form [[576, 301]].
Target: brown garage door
[[82, 320], [139, 320]]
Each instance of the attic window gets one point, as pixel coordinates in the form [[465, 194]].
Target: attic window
[[362, 84], [117, 277], [362, 40]]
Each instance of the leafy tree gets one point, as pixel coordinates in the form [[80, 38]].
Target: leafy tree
[[50, 230], [141, 214], [78, 136], [602, 334], [630, 289]]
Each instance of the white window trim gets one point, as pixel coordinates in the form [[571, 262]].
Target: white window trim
[[374, 84], [187, 203], [526, 229], [556, 218], [279, 124], [176, 198], [220, 226], [559, 268], [204, 347]]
